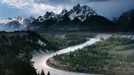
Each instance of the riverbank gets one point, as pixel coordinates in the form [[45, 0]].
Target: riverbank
[[111, 56], [41, 59], [65, 40]]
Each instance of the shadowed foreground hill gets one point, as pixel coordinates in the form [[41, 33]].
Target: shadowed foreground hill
[[16, 52]]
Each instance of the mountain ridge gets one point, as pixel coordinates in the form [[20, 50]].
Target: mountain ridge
[[15, 24], [76, 18], [79, 18]]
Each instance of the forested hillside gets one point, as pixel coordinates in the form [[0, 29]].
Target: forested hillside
[[16, 52], [114, 56]]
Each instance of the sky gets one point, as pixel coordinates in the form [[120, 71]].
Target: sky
[[27, 8]]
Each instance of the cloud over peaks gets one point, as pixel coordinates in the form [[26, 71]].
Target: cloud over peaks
[[33, 6], [39, 7]]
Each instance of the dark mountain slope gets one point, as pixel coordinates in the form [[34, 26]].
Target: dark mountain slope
[[100, 23], [78, 18], [126, 21]]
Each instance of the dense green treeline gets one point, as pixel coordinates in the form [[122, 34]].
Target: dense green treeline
[[65, 40], [113, 56]]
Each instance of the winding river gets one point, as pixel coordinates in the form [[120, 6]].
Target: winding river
[[41, 58]]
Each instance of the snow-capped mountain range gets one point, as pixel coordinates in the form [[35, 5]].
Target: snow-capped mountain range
[[82, 12], [78, 11], [47, 16], [18, 23], [77, 18], [15, 24]]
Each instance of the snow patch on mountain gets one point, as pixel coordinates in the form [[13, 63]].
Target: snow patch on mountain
[[82, 12], [47, 16], [14, 24]]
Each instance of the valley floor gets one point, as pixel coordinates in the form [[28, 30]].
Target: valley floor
[[113, 56]]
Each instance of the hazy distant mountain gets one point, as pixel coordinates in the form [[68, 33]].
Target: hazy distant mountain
[[15, 24]]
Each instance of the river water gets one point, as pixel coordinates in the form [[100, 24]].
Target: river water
[[41, 58]]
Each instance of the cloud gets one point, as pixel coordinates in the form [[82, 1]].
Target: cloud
[[16, 3], [47, 4], [32, 6], [39, 7]]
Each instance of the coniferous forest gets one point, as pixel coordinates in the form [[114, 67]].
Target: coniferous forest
[[16, 52], [113, 56]]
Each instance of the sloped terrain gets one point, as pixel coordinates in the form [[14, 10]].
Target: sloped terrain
[[114, 56], [16, 52], [126, 21]]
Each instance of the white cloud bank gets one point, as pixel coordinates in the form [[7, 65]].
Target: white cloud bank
[[31, 6], [107, 8]]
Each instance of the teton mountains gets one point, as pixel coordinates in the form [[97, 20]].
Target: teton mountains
[[79, 18]]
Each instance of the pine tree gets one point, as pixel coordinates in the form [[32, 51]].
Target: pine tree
[[48, 73], [42, 72]]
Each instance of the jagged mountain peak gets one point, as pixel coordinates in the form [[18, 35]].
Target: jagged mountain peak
[[81, 12], [40, 19], [17, 18], [49, 15], [15, 23], [78, 11], [31, 18], [63, 12], [77, 7]]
